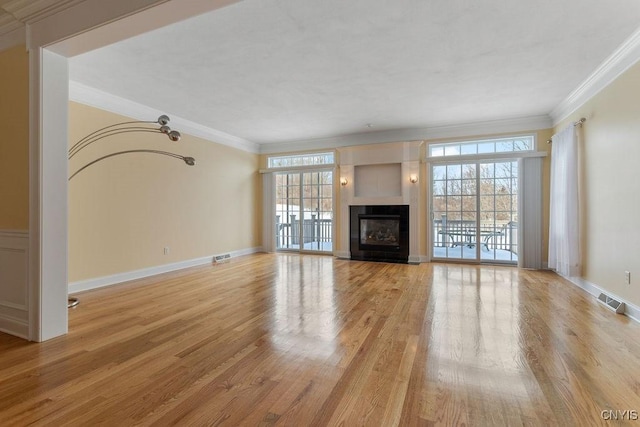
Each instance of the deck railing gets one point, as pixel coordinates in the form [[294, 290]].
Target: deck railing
[[492, 236], [445, 233], [314, 230]]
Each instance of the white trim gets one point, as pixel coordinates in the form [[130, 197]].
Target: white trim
[[35, 206], [13, 38], [86, 16], [324, 167], [415, 259], [268, 213], [34, 10], [99, 282], [512, 125], [48, 188], [342, 254], [99, 23], [87, 95], [617, 63], [488, 156], [630, 310]]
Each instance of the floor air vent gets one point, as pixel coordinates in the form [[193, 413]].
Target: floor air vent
[[611, 304], [221, 258]]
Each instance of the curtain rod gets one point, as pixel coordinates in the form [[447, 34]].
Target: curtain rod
[[578, 123]]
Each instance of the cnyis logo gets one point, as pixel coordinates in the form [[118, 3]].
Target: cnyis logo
[[619, 415]]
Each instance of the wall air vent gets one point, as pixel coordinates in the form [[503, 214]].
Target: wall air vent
[[221, 258], [611, 303]]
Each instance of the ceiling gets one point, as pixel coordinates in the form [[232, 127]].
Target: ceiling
[[15, 13], [275, 71]]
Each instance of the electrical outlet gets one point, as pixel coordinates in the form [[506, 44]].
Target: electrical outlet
[[166, 250], [627, 277]]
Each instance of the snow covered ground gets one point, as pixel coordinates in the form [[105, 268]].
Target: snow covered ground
[[456, 252], [465, 252]]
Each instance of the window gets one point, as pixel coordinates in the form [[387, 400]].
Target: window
[[486, 146], [314, 159]]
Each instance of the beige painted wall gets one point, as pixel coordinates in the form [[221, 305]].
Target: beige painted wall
[[610, 193], [14, 144], [541, 137], [125, 210]]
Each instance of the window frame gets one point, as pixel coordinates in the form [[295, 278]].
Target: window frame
[[490, 154], [325, 154]]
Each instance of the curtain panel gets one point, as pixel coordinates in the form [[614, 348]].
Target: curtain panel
[[564, 227]]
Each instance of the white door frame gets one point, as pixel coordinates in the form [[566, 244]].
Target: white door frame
[[50, 42], [478, 246], [301, 173]]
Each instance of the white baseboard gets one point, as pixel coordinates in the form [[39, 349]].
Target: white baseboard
[[630, 310], [99, 282], [415, 259], [342, 254]]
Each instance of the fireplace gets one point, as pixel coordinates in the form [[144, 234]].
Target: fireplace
[[380, 233]]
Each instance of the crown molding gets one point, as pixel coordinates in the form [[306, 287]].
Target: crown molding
[[517, 124], [617, 63], [29, 11], [7, 22], [87, 95], [90, 24], [15, 15], [489, 127]]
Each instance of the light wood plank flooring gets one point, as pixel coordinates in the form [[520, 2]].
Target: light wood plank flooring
[[303, 340]]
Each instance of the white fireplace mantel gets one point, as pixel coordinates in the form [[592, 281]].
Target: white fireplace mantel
[[384, 165]]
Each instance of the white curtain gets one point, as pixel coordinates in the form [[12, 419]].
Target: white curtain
[[564, 227]]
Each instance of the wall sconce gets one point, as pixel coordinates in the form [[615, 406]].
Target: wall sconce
[[413, 178], [343, 181]]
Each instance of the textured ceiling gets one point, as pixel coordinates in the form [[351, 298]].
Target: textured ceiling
[[287, 70], [15, 13]]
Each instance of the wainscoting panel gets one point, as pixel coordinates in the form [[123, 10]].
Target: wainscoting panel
[[14, 282]]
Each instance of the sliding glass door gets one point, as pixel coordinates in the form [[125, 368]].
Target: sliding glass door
[[474, 209], [304, 211]]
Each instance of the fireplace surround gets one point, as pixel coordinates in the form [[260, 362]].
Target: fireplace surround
[[379, 233]]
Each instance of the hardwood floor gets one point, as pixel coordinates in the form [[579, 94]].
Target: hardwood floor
[[277, 339]]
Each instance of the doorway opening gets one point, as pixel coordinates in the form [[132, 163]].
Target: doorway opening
[[304, 211], [474, 209]]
